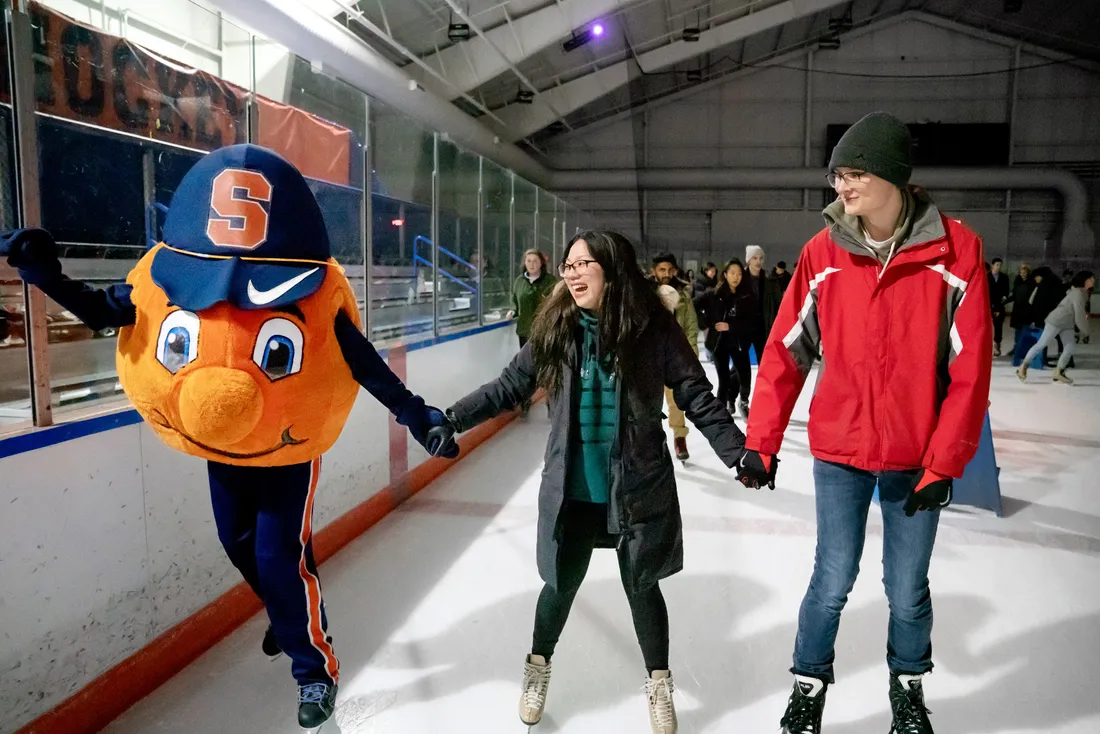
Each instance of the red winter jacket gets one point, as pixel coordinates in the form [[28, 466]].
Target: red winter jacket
[[906, 357]]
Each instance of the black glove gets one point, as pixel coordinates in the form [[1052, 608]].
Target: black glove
[[427, 424], [756, 470], [931, 492], [28, 248], [443, 435]]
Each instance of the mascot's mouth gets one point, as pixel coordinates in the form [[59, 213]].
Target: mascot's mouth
[[285, 440]]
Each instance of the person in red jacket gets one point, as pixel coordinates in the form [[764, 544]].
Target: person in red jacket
[[894, 294]]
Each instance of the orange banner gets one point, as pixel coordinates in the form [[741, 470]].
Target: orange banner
[[84, 74]]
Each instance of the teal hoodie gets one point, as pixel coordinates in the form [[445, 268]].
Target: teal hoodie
[[597, 421]]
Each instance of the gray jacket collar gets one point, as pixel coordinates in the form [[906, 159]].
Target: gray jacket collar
[[927, 225]]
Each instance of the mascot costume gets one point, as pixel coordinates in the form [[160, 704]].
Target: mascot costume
[[240, 343]]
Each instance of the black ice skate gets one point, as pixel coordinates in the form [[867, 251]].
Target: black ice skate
[[270, 646], [681, 445], [907, 702], [744, 406], [804, 708], [316, 702]]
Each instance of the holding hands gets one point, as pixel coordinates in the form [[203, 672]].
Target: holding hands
[[756, 470]]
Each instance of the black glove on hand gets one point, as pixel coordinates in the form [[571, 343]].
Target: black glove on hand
[[427, 425], [931, 492], [756, 470], [28, 248], [442, 436]]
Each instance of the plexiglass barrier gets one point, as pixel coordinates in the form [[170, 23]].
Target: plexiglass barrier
[[127, 95]]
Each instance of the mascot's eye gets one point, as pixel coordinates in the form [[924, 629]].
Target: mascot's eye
[[178, 343], [278, 350]]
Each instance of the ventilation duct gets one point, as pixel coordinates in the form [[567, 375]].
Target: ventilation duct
[[1077, 238]]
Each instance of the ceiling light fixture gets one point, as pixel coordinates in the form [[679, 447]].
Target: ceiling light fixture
[[581, 37], [458, 32]]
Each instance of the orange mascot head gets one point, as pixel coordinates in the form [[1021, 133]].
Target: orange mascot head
[[233, 356]]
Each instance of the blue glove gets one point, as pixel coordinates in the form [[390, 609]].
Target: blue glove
[[424, 423], [28, 248]]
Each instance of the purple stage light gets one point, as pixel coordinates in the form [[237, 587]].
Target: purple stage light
[[597, 30]]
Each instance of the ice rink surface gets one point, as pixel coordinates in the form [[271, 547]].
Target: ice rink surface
[[431, 611]]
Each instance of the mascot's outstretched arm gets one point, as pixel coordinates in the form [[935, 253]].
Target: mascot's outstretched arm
[[34, 253], [371, 371]]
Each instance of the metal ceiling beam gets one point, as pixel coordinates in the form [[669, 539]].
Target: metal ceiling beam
[[484, 38], [471, 63], [524, 120], [342, 54]]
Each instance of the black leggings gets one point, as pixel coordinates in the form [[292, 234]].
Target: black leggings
[[742, 376], [584, 524]]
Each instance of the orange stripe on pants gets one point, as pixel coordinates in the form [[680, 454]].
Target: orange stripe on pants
[[317, 634]]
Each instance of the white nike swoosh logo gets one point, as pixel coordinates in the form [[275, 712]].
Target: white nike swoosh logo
[[262, 298]]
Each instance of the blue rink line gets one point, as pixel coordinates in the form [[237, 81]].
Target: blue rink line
[[40, 438]]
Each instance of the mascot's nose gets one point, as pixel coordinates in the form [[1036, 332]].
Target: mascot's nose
[[220, 406]]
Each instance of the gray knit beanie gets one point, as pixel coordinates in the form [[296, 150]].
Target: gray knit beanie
[[880, 144]]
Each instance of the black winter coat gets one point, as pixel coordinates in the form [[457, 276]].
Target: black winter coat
[[1021, 309], [700, 291], [643, 515], [999, 294], [1050, 294], [739, 310]]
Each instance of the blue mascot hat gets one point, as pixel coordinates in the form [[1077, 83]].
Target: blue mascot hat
[[243, 228]]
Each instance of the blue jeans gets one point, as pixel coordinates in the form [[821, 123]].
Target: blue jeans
[[843, 496]]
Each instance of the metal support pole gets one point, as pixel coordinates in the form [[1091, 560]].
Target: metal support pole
[[435, 234], [367, 223], [21, 44], [252, 111], [808, 124], [644, 223], [1013, 105], [149, 189], [511, 229], [402, 212], [480, 240], [538, 207]]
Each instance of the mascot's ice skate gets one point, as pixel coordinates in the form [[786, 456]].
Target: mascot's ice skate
[[239, 343]]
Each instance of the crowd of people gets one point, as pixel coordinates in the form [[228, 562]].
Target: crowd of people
[[1042, 310], [891, 295]]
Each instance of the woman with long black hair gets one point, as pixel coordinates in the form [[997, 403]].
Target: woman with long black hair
[[603, 347], [732, 311]]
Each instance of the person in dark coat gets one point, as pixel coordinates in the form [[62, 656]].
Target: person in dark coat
[[733, 311], [705, 282], [1021, 292], [998, 297], [767, 293], [782, 276], [701, 289], [603, 348]]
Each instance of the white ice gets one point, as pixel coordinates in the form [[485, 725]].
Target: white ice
[[431, 610]]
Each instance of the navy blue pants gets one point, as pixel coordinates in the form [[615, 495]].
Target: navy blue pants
[[265, 523]]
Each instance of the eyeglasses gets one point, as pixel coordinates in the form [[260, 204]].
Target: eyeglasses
[[849, 177], [580, 267]]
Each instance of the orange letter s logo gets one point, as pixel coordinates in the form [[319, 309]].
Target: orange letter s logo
[[237, 217]]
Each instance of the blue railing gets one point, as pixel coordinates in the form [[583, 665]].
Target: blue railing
[[418, 261]]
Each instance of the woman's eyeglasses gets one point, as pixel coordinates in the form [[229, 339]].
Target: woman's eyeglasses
[[849, 177], [580, 267]]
